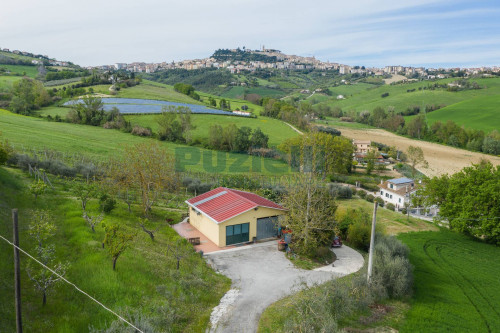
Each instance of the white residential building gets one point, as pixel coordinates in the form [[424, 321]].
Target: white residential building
[[397, 191]]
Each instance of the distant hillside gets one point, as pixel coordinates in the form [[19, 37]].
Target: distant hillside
[[241, 55], [480, 113]]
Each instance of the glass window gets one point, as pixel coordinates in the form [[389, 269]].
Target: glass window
[[244, 228], [237, 229], [229, 230]]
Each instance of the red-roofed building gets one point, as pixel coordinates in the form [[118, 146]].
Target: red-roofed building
[[228, 216]]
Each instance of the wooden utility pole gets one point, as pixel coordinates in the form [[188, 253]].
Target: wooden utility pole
[[17, 272], [372, 242]]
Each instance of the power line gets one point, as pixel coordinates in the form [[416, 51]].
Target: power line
[[72, 284]]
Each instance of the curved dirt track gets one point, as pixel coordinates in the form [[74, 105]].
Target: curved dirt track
[[442, 159]]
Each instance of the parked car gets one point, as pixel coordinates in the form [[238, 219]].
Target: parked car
[[337, 242]]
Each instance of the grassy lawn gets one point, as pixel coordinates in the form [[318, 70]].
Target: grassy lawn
[[456, 284], [393, 222], [145, 279], [275, 129], [27, 133]]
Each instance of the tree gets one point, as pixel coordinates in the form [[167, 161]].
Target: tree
[[116, 241], [92, 221], [310, 216], [415, 156], [469, 199], [178, 251], [259, 139], [147, 168], [142, 223], [417, 127], [242, 139], [84, 192], [319, 153], [88, 111], [43, 279], [28, 95], [170, 127], [42, 228], [370, 158], [37, 188]]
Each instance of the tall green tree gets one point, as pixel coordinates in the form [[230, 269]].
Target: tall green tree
[[469, 199], [311, 211]]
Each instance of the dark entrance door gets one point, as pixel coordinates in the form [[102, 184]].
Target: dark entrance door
[[237, 233], [267, 227]]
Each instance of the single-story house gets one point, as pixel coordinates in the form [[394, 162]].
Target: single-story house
[[228, 216]]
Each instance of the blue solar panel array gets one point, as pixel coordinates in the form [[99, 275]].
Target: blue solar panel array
[[136, 105], [401, 180]]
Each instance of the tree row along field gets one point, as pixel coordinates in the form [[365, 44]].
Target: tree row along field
[[442, 159], [456, 283], [27, 133]]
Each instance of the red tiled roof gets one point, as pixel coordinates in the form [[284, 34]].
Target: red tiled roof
[[223, 203]]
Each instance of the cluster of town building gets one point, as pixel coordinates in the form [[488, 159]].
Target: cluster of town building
[[282, 61], [291, 62]]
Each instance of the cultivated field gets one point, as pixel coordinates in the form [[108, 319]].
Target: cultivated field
[[442, 159], [456, 284]]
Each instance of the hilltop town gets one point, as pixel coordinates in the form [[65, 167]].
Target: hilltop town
[[279, 60]]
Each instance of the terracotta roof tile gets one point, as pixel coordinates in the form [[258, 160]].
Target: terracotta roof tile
[[222, 203]]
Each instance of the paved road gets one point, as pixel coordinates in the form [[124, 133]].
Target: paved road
[[263, 275]]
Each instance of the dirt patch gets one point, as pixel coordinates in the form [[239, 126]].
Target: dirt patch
[[442, 159]]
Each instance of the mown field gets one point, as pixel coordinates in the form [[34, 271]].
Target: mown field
[[275, 129], [400, 99], [392, 222], [456, 284], [480, 113], [145, 286], [28, 133]]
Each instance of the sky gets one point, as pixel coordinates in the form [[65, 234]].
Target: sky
[[429, 33]]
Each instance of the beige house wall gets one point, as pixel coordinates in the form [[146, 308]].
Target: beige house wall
[[217, 232], [205, 225]]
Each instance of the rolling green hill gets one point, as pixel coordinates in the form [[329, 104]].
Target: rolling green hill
[[27, 133], [400, 99], [480, 113]]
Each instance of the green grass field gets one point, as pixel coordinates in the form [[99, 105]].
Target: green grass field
[[239, 92], [392, 222], [456, 284], [400, 99], [480, 113], [31, 71], [275, 129], [337, 123], [145, 280], [27, 133]]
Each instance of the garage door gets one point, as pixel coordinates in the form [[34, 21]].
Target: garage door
[[267, 227], [237, 233]]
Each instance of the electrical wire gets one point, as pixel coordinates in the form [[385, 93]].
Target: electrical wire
[[72, 284]]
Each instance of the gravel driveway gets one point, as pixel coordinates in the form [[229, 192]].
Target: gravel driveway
[[262, 275]]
